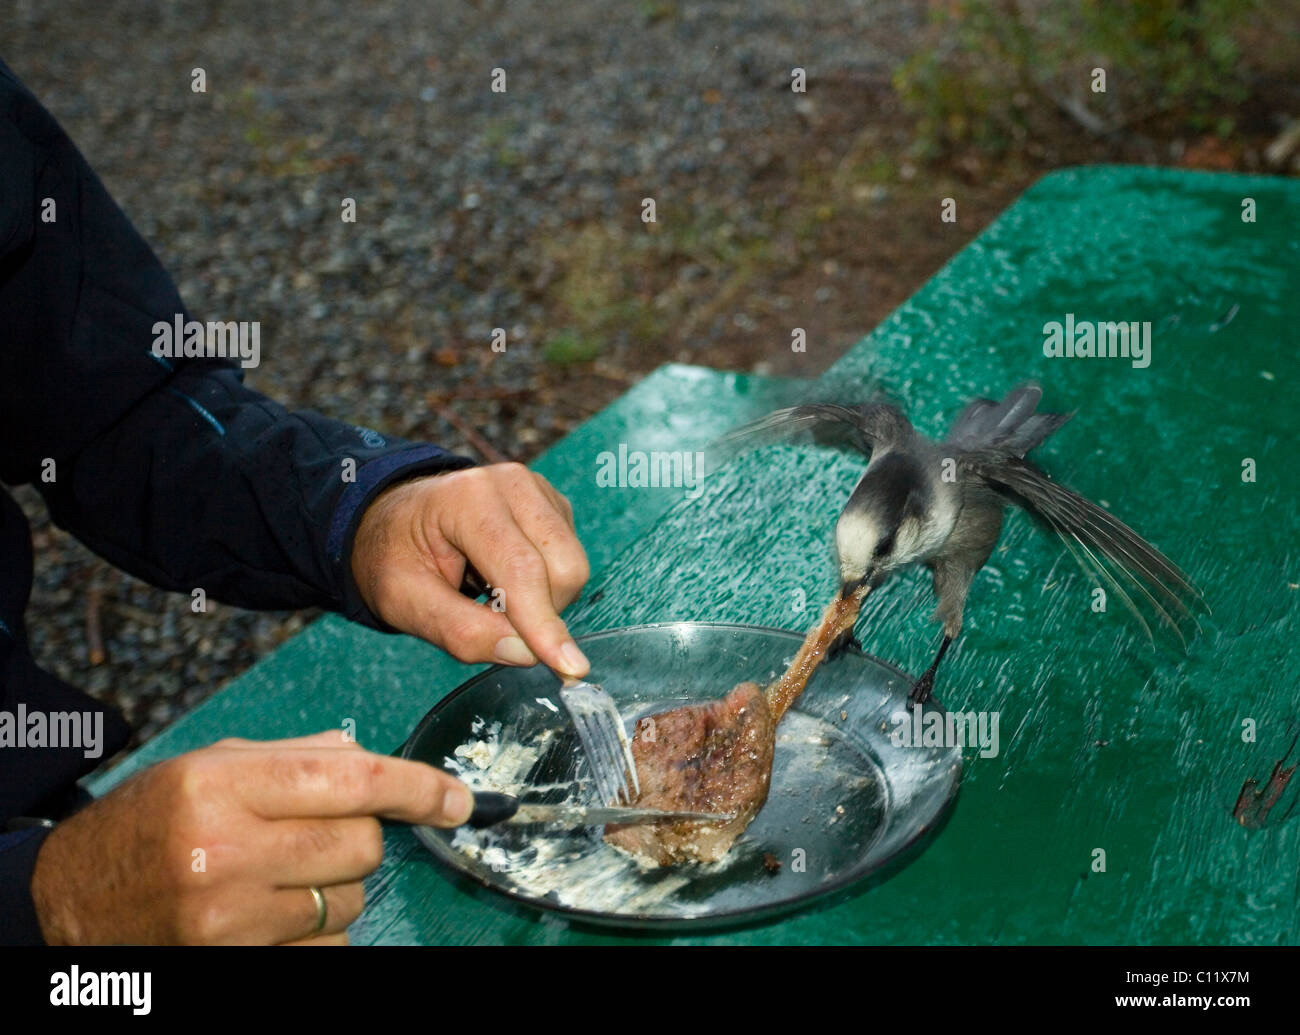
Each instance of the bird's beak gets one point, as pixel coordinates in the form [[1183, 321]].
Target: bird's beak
[[859, 588]]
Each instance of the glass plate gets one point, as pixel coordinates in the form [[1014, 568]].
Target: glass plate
[[845, 800]]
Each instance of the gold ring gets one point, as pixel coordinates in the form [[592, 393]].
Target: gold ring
[[321, 910]]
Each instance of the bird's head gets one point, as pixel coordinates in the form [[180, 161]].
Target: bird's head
[[868, 549], [882, 528]]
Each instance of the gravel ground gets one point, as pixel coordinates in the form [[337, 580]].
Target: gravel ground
[[477, 210]]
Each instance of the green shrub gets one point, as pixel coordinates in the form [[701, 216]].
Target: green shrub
[[989, 72]]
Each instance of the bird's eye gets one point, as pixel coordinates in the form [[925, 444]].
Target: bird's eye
[[883, 547]]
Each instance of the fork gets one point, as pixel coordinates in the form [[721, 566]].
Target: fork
[[604, 739]]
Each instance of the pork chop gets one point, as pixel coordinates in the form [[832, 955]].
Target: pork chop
[[712, 757], [717, 756]]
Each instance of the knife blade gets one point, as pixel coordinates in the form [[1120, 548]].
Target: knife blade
[[492, 807]]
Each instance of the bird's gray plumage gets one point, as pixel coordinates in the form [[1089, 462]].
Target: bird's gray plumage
[[941, 503]]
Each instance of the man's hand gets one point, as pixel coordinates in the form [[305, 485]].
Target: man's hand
[[221, 845], [410, 553]]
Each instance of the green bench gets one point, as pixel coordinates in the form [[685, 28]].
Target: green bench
[[1106, 744]]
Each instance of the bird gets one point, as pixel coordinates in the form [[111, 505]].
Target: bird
[[941, 505]]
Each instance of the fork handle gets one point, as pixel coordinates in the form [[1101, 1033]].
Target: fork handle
[[491, 807]]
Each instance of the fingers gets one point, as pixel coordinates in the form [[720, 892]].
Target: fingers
[[521, 574], [320, 782], [433, 610], [514, 546], [269, 915], [308, 808], [546, 519], [324, 739], [322, 851], [294, 910], [513, 527], [557, 498]]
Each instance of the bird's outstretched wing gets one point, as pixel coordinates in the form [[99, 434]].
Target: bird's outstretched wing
[[863, 428], [1104, 546]]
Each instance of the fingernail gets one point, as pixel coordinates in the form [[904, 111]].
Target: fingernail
[[457, 804], [511, 650], [575, 662]]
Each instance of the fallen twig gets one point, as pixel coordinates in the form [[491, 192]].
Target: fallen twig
[[95, 652], [488, 451]]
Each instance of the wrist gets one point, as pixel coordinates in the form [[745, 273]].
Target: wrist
[[373, 535], [375, 480]]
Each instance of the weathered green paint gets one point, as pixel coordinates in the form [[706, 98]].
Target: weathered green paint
[[1105, 743]]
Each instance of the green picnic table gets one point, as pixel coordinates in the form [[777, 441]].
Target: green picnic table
[[1107, 745]]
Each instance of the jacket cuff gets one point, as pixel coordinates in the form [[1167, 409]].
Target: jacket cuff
[[372, 479], [18, 923]]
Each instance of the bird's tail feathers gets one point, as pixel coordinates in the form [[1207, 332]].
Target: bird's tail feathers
[[1010, 424], [1031, 433]]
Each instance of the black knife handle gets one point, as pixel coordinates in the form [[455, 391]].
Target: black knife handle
[[491, 807], [474, 585]]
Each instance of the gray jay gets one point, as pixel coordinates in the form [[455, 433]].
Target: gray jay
[[940, 504]]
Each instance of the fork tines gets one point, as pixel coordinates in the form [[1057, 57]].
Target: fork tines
[[604, 739]]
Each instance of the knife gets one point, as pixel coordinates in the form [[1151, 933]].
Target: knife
[[492, 807]]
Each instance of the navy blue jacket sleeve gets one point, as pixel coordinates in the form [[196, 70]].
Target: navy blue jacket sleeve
[[170, 468], [18, 922]]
